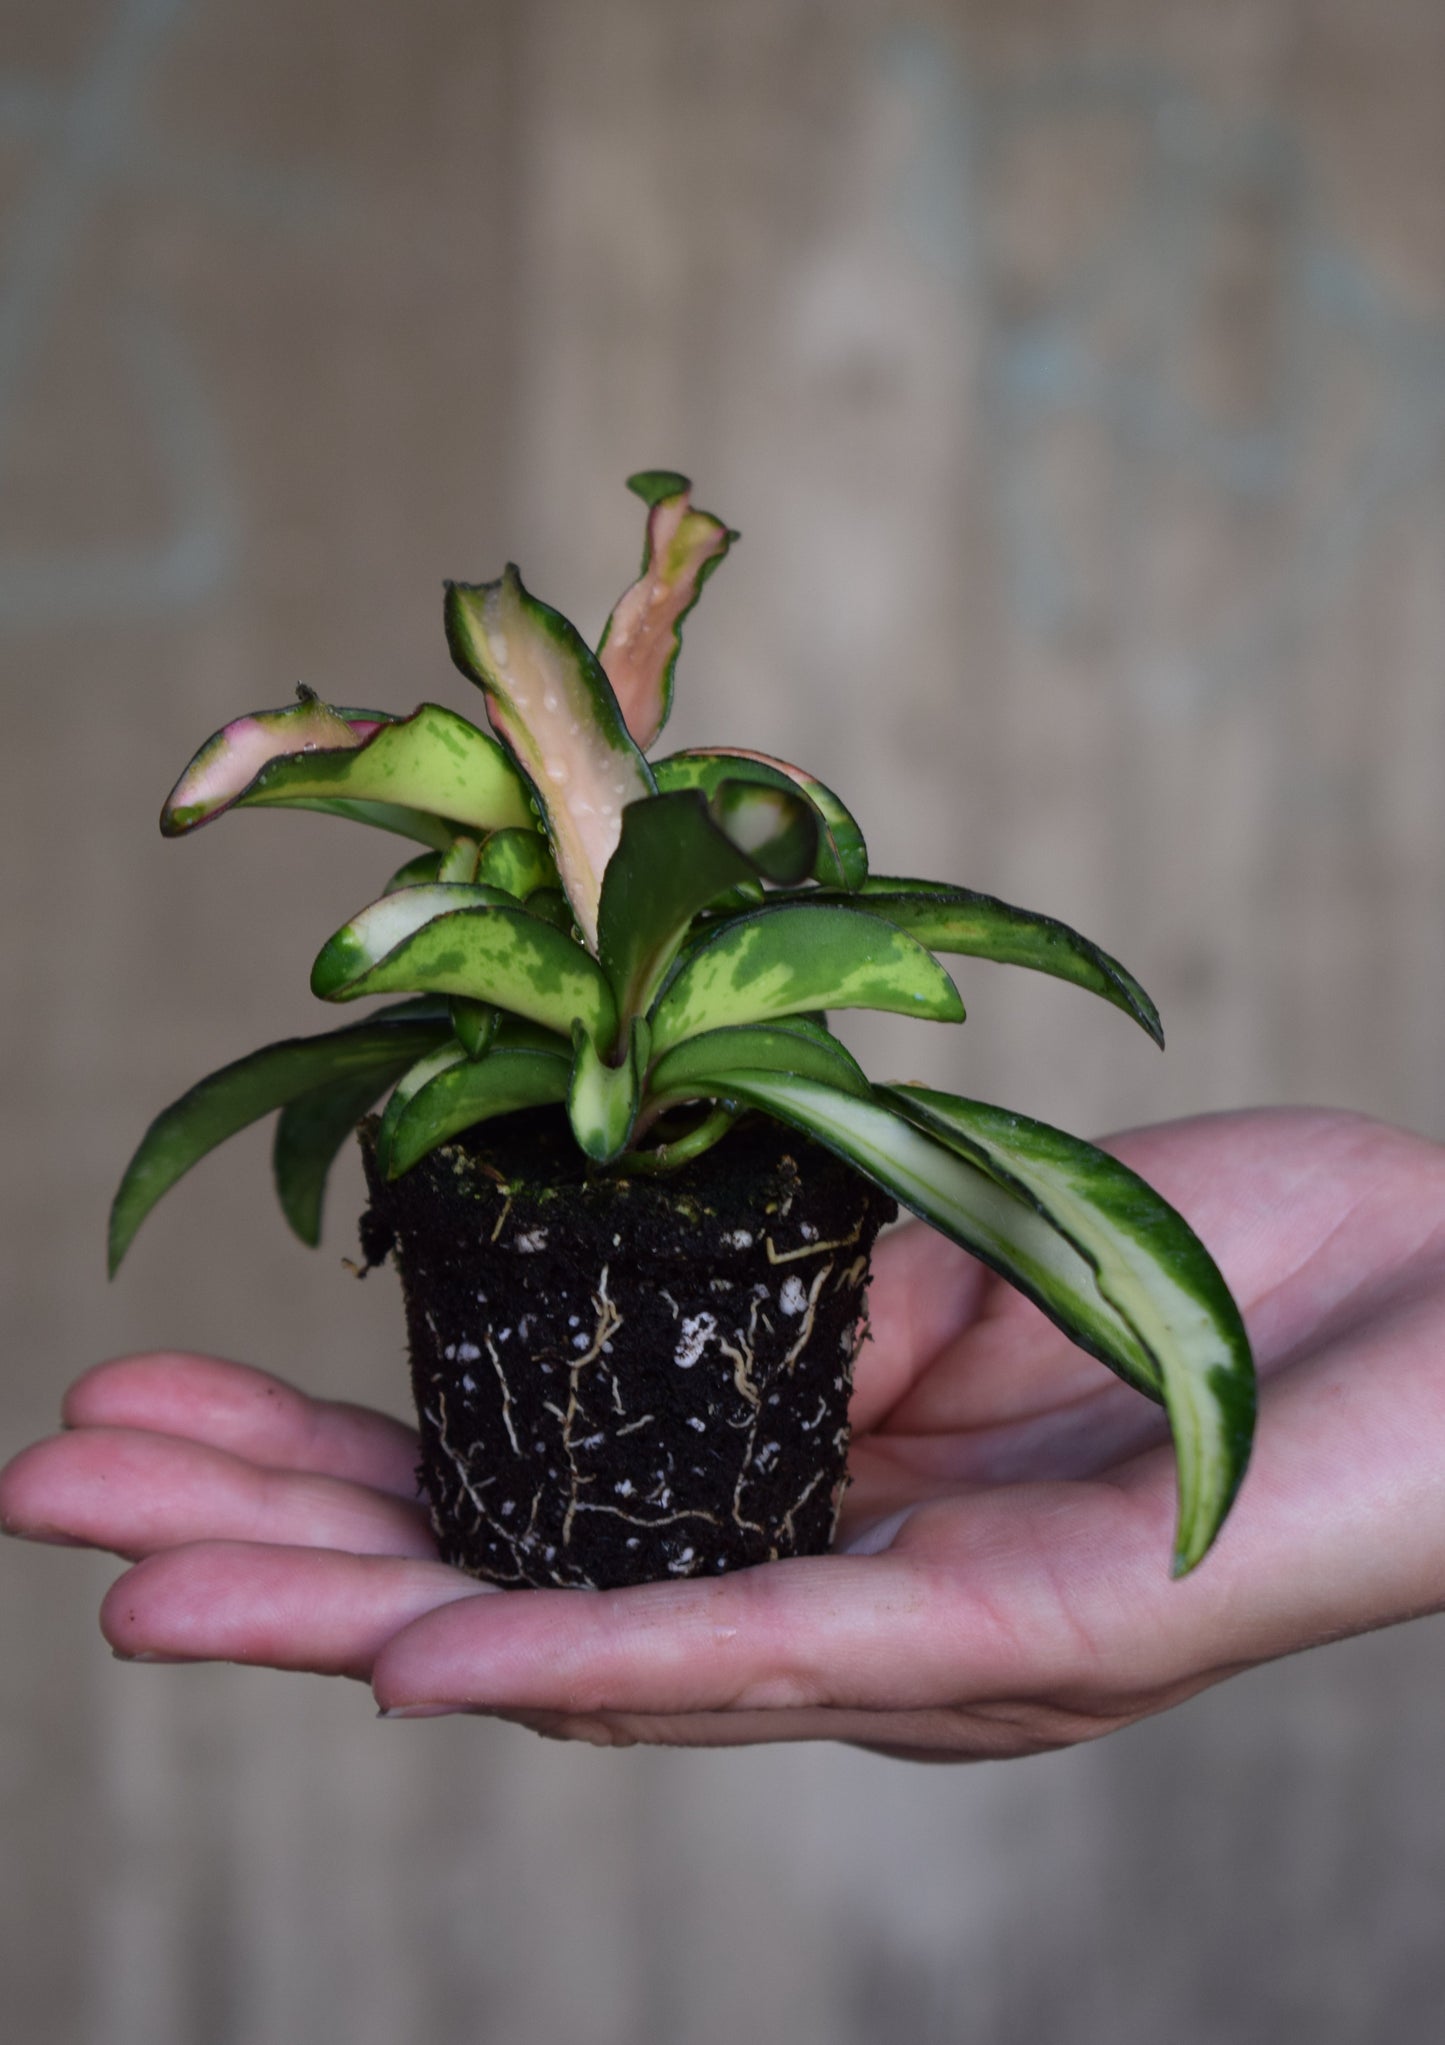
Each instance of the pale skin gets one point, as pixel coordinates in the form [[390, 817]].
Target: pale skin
[[1002, 1581]]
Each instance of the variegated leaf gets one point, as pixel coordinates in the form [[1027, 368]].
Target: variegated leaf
[[1005, 1231], [227, 764], [959, 920], [517, 861], [1151, 1268], [697, 1069], [242, 1092], [643, 636], [385, 923], [553, 706], [417, 873], [492, 951], [458, 864], [475, 1023], [440, 1058], [677, 854], [790, 960], [604, 1095], [842, 856], [456, 1096], [433, 762]]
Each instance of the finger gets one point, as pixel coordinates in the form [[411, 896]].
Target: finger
[[248, 1412], [133, 1492], [902, 1630], [914, 1735], [282, 1608], [997, 1733], [925, 1292]]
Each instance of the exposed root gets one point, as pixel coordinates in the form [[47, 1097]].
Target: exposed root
[[506, 1395], [609, 1320], [777, 1256], [805, 1333]]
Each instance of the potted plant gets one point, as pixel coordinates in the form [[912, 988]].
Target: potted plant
[[630, 1177]]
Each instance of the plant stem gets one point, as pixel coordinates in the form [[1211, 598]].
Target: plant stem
[[669, 1155]]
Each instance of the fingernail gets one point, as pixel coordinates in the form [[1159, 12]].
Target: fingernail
[[434, 1711], [145, 1654]]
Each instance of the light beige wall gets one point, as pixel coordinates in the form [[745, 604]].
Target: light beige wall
[[1077, 377]]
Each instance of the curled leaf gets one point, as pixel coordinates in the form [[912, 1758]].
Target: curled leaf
[[230, 760], [603, 1095], [643, 636], [841, 860], [677, 854], [433, 764], [553, 706]]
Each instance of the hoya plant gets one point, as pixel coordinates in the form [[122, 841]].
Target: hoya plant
[[648, 946]]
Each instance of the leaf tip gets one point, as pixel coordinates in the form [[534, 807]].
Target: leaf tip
[[655, 486]]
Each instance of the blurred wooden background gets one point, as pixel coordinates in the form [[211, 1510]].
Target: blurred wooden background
[[1077, 377]]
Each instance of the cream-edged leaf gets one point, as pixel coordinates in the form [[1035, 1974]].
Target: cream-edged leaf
[[643, 636], [697, 1069], [490, 950], [842, 856], [454, 1096], [1151, 1268], [679, 853], [433, 762], [553, 707]]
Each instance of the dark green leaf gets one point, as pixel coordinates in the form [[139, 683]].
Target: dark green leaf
[[654, 486], [676, 854], [475, 1023], [240, 1093], [416, 824], [311, 1130], [417, 873], [552, 906]]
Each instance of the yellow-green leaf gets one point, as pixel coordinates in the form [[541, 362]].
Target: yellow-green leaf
[[791, 960]]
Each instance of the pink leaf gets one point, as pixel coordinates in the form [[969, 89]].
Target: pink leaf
[[231, 759], [644, 633]]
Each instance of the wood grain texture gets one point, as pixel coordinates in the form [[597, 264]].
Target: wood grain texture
[[1077, 379]]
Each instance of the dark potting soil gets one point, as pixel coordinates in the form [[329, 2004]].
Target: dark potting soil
[[627, 1378]]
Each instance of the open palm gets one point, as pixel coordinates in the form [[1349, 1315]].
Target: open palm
[[1001, 1583]]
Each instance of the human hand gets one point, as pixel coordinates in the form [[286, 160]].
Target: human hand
[[1001, 1582]]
